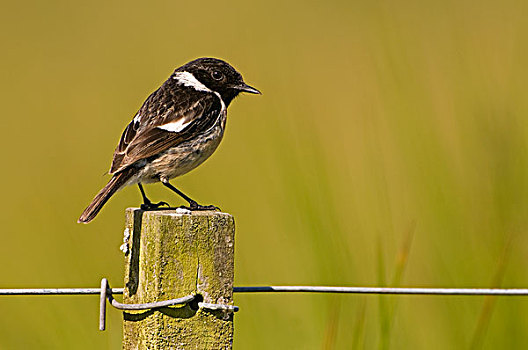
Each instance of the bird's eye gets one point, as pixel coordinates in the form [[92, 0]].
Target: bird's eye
[[217, 75]]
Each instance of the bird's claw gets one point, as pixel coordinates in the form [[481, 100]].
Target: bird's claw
[[153, 206], [197, 207]]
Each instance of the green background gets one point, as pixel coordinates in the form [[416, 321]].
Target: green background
[[389, 148]]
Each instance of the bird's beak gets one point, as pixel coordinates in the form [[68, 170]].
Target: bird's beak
[[246, 88]]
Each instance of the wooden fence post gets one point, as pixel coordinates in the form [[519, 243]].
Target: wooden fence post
[[171, 255]]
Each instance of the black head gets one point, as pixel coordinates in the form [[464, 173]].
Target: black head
[[218, 76]]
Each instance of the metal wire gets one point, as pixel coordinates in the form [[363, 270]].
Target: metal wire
[[293, 289], [216, 307], [102, 304], [56, 291], [383, 290], [106, 293], [154, 305]]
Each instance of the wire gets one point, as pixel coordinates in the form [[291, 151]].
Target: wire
[[106, 293], [383, 290], [296, 289], [56, 291]]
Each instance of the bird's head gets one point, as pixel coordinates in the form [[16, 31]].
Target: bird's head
[[218, 76]]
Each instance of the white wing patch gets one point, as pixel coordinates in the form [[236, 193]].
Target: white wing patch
[[187, 79], [175, 126], [182, 122]]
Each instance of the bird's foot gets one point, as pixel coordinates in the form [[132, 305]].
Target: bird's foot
[[195, 206], [153, 206]]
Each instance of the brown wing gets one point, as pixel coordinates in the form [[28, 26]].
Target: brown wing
[[171, 115]]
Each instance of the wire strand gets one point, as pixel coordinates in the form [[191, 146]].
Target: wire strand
[[383, 290], [56, 291], [296, 289]]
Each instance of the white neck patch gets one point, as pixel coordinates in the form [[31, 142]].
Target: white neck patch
[[187, 79]]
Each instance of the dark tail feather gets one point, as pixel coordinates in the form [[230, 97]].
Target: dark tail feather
[[115, 183]]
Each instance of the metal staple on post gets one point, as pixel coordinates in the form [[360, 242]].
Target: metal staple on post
[[106, 293]]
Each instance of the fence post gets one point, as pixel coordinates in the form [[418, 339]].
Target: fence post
[[170, 255]]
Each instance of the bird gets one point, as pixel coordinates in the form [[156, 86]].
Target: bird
[[176, 129]]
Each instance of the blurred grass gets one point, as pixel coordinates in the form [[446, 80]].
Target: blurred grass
[[388, 304], [479, 334], [375, 115]]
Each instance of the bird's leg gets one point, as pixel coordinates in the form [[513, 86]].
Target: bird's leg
[[192, 204], [147, 204]]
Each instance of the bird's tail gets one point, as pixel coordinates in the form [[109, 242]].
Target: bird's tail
[[115, 183]]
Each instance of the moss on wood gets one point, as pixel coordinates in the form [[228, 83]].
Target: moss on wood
[[170, 255]]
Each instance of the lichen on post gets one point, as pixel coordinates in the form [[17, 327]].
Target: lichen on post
[[170, 255]]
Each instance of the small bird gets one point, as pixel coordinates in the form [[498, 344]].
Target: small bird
[[176, 129]]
